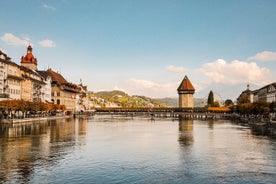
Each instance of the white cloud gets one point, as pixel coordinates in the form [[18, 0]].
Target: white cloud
[[175, 69], [47, 43], [46, 6], [150, 88], [119, 89], [264, 56], [236, 72], [10, 39]]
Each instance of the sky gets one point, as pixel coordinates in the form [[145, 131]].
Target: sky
[[146, 47]]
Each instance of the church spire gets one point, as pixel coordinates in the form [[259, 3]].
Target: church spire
[[29, 49]]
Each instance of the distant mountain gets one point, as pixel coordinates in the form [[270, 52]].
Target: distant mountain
[[173, 102]]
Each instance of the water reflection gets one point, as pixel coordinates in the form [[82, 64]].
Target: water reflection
[[25, 146], [104, 150], [211, 124], [186, 133]]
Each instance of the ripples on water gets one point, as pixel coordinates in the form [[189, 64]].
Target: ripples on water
[[125, 150]]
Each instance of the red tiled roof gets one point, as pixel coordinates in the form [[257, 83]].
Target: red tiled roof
[[186, 85], [59, 79], [56, 77]]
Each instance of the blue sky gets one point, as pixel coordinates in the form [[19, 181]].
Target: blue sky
[[146, 47]]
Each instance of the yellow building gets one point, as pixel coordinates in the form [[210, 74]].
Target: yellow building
[[32, 85], [36, 86], [14, 81], [26, 86]]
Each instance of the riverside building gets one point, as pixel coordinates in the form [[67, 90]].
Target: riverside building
[[63, 92], [4, 61], [266, 93], [27, 83]]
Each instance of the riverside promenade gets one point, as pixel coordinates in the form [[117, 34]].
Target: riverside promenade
[[33, 119], [259, 124]]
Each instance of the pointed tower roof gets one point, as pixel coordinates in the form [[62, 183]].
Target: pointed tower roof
[[186, 86]]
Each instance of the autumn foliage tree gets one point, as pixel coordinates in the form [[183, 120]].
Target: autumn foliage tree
[[255, 108], [24, 106], [228, 102]]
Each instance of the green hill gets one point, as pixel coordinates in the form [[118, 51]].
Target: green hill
[[122, 99]]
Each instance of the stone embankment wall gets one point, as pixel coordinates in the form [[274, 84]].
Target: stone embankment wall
[[260, 125]]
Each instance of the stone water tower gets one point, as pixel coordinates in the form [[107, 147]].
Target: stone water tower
[[185, 92]]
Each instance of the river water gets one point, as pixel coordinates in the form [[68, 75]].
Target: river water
[[104, 149]]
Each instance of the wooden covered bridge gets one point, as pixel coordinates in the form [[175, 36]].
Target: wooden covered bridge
[[186, 113]]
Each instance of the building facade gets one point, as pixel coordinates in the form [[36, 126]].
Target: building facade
[[26, 82], [26, 85], [47, 87], [63, 92], [33, 86], [266, 93], [14, 81], [4, 91]]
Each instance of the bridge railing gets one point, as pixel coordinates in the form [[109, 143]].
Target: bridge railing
[[164, 109]]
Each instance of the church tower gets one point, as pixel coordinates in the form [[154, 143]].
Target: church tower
[[29, 61], [185, 92]]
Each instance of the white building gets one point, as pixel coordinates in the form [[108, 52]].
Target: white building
[[46, 88], [266, 93], [4, 93]]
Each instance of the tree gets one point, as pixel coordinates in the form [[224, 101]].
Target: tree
[[20, 105], [243, 99], [210, 101], [228, 102], [253, 108], [215, 104]]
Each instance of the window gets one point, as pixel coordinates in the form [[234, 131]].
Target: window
[[58, 101], [58, 93]]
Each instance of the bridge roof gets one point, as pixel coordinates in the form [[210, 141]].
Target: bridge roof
[[186, 85]]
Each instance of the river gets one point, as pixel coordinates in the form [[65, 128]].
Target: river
[[106, 149]]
